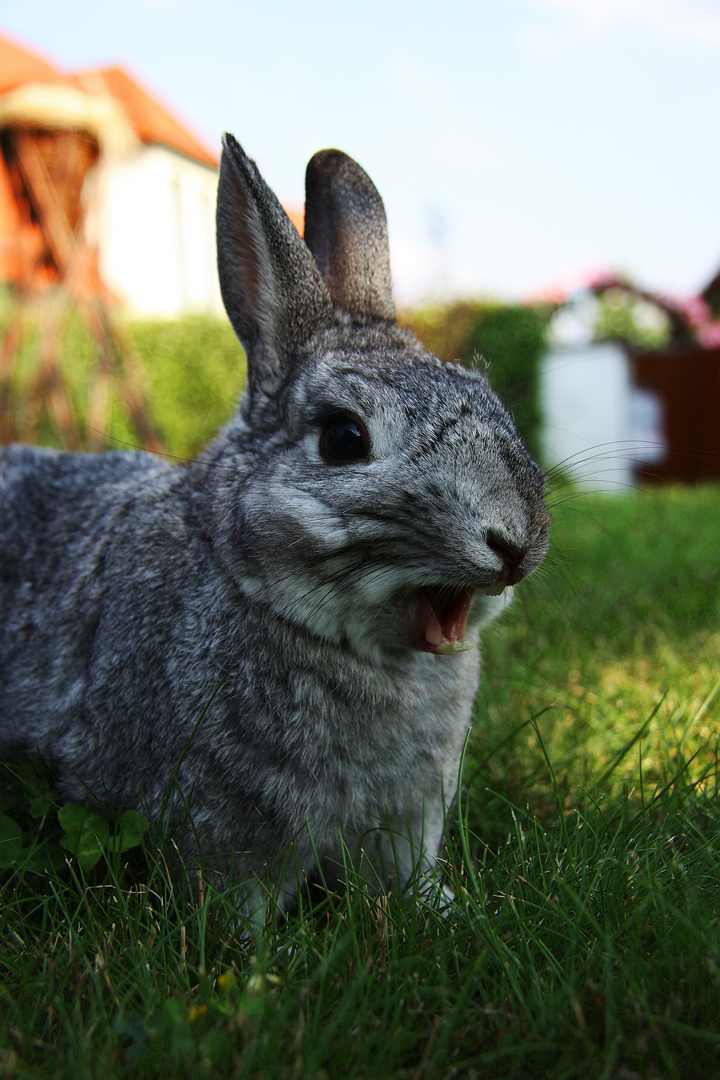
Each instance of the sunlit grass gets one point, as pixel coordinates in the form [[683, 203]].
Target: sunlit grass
[[620, 633]]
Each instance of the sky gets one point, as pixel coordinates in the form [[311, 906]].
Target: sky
[[519, 145]]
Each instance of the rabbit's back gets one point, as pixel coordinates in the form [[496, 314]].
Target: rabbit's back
[[84, 541], [41, 491]]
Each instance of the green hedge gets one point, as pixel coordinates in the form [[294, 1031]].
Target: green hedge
[[192, 370], [189, 372], [508, 340], [195, 371]]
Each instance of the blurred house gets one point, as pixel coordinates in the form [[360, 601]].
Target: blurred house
[[615, 415], [598, 427], [101, 186]]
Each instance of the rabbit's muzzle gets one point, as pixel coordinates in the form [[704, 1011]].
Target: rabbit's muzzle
[[440, 614]]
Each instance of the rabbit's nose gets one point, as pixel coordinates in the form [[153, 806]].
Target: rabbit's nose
[[511, 556]]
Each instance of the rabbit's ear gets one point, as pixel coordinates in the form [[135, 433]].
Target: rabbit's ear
[[270, 284], [346, 230]]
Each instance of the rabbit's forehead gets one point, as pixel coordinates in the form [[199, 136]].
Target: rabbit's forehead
[[409, 389]]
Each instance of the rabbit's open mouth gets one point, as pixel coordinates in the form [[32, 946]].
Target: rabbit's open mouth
[[441, 620]]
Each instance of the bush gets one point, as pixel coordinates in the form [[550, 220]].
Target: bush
[[195, 370], [188, 373], [191, 372]]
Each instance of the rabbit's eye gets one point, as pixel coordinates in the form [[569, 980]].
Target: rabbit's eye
[[343, 439]]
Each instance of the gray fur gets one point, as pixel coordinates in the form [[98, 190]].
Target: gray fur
[[346, 230], [244, 621]]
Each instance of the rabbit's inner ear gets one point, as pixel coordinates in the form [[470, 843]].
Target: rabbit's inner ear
[[346, 230], [270, 284]]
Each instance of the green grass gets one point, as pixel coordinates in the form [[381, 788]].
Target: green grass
[[585, 938]]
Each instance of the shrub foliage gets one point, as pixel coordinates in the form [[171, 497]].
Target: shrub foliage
[[189, 373]]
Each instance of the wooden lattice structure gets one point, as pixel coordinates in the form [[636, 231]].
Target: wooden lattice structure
[[55, 273]]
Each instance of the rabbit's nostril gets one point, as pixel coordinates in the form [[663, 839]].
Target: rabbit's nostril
[[510, 554]]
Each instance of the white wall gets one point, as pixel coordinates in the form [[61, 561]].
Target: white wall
[[156, 232], [597, 425]]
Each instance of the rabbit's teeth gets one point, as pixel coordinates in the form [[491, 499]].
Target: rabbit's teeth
[[493, 590], [442, 621], [447, 648], [432, 632]]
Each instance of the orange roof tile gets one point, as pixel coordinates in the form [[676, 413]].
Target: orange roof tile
[[18, 65], [296, 215], [152, 122]]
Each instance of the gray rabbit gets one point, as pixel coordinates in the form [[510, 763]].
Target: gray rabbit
[[282, 634]]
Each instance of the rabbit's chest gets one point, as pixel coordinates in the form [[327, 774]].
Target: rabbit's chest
[[352, 734]]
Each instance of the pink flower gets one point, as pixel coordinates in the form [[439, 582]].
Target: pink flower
[[709, 335]]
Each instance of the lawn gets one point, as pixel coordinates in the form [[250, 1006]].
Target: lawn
[[584, 856]]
